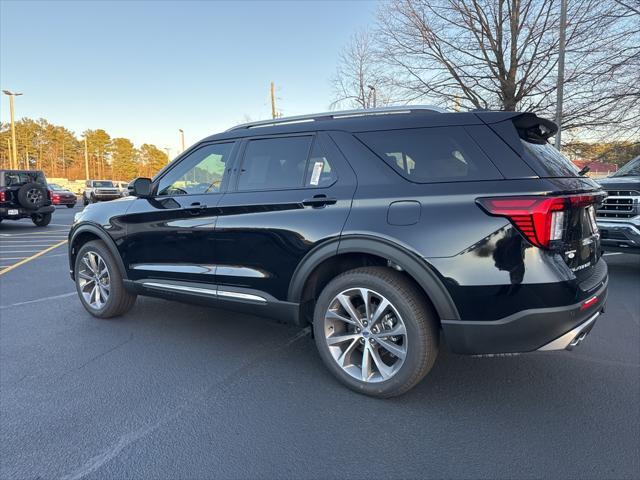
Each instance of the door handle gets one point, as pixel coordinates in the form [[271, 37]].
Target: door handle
[[318, 201], [195, 208]]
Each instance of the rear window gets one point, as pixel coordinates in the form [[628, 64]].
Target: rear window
[[548, 161], [431, 155], [15, 178]]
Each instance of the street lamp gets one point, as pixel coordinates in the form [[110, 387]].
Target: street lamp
[[181, 138], [372, 91], [14, 150], [168, 150]]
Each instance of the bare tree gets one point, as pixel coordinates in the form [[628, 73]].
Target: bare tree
[[360, 80], [502, 54]]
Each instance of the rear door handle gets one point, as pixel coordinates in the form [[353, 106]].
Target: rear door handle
[[318, 201], [195, 208]]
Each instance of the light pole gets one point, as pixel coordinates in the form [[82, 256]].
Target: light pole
[[372, 91], [14, 150], [181, 138], [168, 150], [86, 159], [560, 85]]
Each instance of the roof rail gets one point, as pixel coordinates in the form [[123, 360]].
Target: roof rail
[[341, 114]]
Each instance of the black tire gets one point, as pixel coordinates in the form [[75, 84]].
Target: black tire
[[92, 199], [32, 196], [41, 219], [120, 300], [85, 202], [71, 205], [422, 332]]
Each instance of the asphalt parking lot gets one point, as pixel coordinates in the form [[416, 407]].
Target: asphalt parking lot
[[173, 391]]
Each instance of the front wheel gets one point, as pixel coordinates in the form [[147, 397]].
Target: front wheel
[[375, 331], [41, 219], [99, 282]]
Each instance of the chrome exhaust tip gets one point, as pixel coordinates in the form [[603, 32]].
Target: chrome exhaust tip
[[572, 338]]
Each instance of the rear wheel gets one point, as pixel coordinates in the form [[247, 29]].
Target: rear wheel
[[85, 202], [99, 282], [70, 205], [41, 219], [375, 331]]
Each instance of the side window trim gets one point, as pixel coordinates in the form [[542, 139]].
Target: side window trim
[[225, 179], [241, 158]]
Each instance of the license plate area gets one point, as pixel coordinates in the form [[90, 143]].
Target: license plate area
[[13, 211]]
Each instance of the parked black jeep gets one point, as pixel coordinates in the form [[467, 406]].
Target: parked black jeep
[[380, 228], [24, 194]]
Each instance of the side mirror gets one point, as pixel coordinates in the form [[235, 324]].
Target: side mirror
[[140, 187]]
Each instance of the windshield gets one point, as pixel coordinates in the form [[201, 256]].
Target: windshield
[[631, 169], [55, 186], [103, 184], [549, 160]]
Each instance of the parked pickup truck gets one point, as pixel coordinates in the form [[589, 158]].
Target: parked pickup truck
[[619, 217]]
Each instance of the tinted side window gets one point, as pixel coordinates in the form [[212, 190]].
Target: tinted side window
[[319, 172], [274, 163], [428, 155], [199, 173]]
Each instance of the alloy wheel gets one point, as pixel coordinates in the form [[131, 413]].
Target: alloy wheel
[[365, 334], [94, 280], [34, 196]]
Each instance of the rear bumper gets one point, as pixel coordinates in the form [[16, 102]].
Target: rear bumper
[[23, 212], [527, 331], [65, 201]]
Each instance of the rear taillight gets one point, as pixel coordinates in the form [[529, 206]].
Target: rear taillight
[[3, 196], [540, 219]]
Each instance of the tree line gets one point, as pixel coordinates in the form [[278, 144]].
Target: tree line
[[501, 55], [59, 152]]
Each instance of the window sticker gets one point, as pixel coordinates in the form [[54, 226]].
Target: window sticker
[[315, 175]]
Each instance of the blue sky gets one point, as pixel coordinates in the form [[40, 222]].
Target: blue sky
[[145, 69]]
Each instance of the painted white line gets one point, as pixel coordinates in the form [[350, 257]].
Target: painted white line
[[613, 253], [23, 239], [20, 251], [26, 244], [32, 257], [38, 300], [47, 232], [12, 258]]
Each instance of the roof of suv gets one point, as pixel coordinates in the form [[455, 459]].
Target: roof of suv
[[364, 120]]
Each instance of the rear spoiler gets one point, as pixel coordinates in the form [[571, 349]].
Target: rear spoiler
[[513, 127]]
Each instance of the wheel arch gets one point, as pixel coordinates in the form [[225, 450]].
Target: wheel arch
[[86, 233], [352, 252]]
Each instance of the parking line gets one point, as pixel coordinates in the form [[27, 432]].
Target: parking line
[[32, 257]]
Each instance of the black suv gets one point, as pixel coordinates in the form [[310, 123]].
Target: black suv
[[380, 228], [24, 194]]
